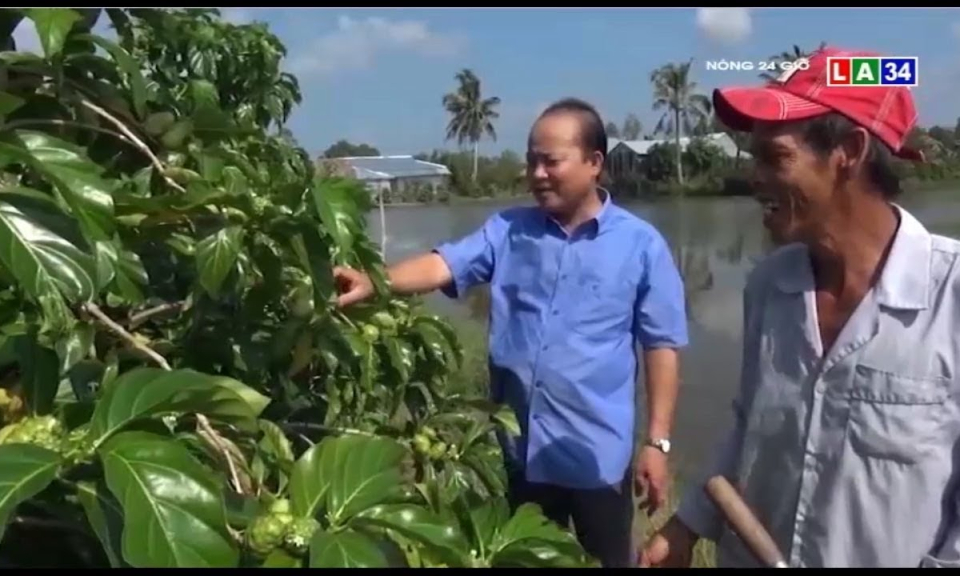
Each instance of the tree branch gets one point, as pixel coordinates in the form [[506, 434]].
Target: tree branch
[[205, 429], [67, 124], [141, 317], [212, 435], [119, 330], [133, 138], [312, 427]]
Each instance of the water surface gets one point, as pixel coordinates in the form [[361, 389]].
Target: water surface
[[715, 241]]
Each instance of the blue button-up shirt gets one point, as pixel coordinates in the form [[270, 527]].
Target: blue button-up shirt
[[849, 456], [567, 311]]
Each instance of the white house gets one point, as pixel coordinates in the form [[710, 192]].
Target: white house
[[395, 173], [625, 156]]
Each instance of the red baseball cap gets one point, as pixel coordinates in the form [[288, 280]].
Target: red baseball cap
[[887, 112]]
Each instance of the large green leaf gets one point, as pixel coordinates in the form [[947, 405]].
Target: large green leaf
[[76, 179], [146, 392], [173, 509], [44, 264], [346, 549], [275, 443], [401, 357], [39, 377], [53, 25], [9, 103], [446, 331], [25, 470], [216, 256], [437, 343], [345, 475], [421, 525], [122, 271], [485, 519], [130, 67], [338, 212], [105, 517], [531, 539]]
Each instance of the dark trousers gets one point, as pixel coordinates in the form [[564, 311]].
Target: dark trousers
[[602, 518]]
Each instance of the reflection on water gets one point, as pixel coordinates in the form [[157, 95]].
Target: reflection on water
[[715, 242]]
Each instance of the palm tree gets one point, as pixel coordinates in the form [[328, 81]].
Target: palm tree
[[788, 56], [675, 93], [472, 115]]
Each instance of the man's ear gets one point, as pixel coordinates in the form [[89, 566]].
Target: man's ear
[[597, 161], [855, 148]]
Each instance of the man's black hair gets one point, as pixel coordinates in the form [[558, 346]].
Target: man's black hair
[[593, 134], [824, 133]]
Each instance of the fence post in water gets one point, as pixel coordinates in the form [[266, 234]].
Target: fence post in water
[[383, 228]]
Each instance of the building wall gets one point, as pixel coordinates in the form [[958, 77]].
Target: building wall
[[622, 161], [375, 186], [400, 184]]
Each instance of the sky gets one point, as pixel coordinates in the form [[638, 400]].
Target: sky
[[378, 76]]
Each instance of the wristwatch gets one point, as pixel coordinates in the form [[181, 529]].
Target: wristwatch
[[661, 444]]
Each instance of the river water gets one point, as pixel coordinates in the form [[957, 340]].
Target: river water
[[715, 241]]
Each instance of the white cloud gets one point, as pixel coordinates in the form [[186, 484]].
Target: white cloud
[[355, 44], [724, 25]]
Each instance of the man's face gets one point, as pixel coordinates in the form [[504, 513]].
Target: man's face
[[793, 184], [560, 174]]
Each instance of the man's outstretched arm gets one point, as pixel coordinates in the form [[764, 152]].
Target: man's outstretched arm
[[453, 267], [423, 273]]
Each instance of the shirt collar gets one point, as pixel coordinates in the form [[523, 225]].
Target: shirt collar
[[600, 219], [905, 281]]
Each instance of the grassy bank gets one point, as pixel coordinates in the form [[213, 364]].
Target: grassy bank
[[472, 378]]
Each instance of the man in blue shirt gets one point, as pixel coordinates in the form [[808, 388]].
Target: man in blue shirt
[[576, 283]]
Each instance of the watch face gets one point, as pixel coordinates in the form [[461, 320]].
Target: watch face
[[663, 445]]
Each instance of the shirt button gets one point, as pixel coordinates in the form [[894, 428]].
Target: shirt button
[[555, 312], [544, 347], [539, 384]]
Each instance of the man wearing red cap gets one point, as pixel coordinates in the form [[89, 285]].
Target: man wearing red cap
[[846, 423]]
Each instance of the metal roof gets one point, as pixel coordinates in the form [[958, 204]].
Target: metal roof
[[719, 139], [390, 167]]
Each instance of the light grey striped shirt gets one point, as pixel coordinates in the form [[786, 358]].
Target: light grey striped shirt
[[850, 459]]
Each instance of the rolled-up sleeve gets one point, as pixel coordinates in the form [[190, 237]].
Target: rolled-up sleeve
[[471, 259], [660, 316]]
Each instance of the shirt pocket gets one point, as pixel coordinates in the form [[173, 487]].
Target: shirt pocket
[[599, 306], [897, 418]]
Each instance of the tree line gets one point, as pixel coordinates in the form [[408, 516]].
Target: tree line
[[667, 168]]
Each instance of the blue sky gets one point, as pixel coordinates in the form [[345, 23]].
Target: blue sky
[[377, 76]]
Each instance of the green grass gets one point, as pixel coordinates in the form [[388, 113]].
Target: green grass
[[472, 378]]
